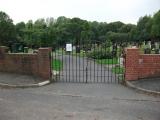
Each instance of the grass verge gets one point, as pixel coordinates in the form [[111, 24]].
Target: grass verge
[[118, 70], [107, 61], [57, 65]]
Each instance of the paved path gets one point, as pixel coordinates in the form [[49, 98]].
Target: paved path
[[18, 79], [67, 101], [79, 69], [152, 84]]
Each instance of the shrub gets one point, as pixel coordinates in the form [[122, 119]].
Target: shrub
[[157, 51], [101, 54], [147, 51]]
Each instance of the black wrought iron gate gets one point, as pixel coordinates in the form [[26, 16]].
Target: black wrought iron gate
[[79, 64]]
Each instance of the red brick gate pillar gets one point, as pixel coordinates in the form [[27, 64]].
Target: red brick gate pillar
[[132, 64], [3, 51], [44, 62]]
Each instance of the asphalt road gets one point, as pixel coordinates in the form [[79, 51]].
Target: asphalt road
[[82, 70], [76, 101], [72, 101]]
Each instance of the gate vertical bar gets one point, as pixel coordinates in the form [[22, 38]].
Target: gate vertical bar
[[76, 64], [101, 63], [72, 61], [79, 62], [66, 71], [108, 71], [83, 61], [69, 67], [87, 71], [105, 66], [62, 75], [59, 69], [94, 61], [54, 62]]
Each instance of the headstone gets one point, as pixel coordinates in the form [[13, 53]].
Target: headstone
[[121, 61], [20, 48], [157, 48], [74, 48], [134, 46], [149, 44], [25, 49], [156, 45], [78, 49]]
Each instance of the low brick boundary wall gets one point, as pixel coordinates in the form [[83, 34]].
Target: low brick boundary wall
[[36, 64], [141, 65]]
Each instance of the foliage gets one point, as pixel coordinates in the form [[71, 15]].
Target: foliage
[[118, 70], [143, 33], [126, 28], [57, 32], [100, 54], [20, 31], [7, 29], [57, 65], [107, 61], [118, 38], [155, 31]]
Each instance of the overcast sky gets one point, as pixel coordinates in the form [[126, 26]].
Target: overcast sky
[[127, 11]]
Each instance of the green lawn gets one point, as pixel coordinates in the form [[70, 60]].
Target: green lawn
[[73, 53], [57, 65], [118, 70], [107, 61], [79, 54]]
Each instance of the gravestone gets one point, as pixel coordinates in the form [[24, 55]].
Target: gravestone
[[157, 48], [78, 49], [147, 48]]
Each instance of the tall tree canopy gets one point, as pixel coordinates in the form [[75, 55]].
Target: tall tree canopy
[[142, 28], [7, 29], [156, 26], [57, 32]]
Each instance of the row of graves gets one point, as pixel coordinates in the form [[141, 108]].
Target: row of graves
[[151, 47]]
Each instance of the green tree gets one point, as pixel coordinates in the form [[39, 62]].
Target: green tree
[[40, 33], [134, 36], [7, 29], [126, 28], [29, 33], [20, 31], [118, 38], [95, 31], [143, 33], [155, 31], [115, 26]]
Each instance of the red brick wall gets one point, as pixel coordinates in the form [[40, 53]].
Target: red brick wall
[[141, 65], [149, 66], [37, 64]]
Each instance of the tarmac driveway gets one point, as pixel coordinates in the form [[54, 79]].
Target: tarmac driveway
[[81, 70], [62, 101]]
